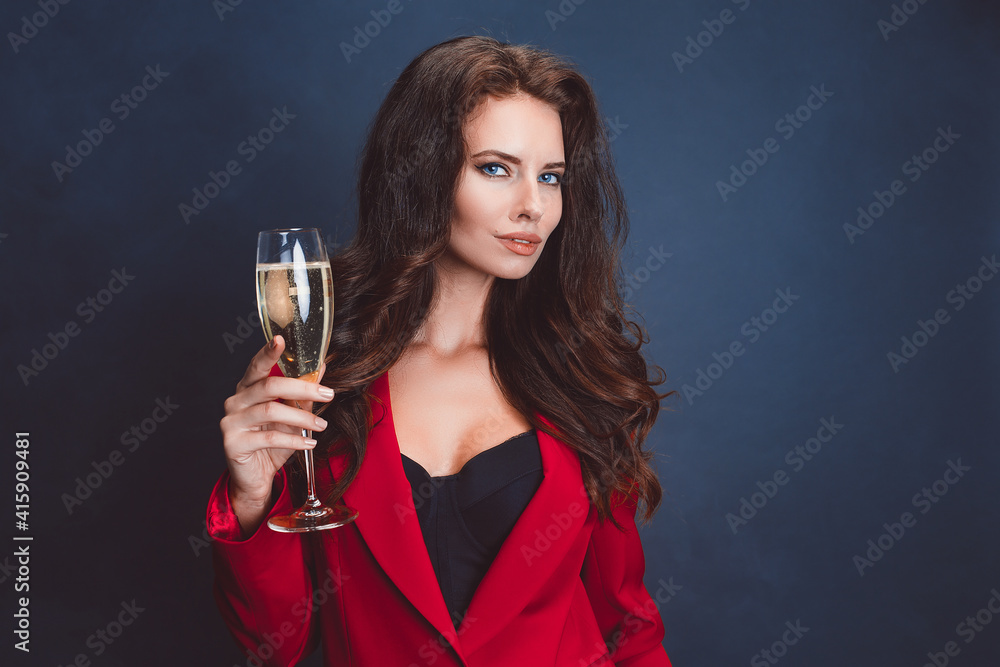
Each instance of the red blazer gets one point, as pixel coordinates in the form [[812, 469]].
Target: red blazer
[[562, 590]]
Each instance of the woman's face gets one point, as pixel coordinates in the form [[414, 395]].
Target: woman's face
[[510, 185]]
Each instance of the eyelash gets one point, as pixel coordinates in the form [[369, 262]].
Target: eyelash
[[483, 167]]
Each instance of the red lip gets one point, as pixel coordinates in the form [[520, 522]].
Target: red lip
[[524, 236], [526, 249]]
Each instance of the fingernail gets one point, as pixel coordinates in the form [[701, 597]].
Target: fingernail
[[271, 344], [325, 392], [310, 442], [320, 422]]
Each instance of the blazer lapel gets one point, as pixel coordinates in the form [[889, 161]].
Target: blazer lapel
[[388, 523], [387, 518], [539, 543]]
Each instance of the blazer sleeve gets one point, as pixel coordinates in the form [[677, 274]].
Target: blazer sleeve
[[263, 584], [612, 574]]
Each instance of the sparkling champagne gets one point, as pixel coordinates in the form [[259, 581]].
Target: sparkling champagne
[[295, 301]]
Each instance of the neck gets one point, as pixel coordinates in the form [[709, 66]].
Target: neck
[[455, 321]]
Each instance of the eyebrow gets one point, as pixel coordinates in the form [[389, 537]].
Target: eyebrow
[[516, 160]]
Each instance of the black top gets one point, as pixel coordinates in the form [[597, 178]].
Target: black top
[[465, 517]]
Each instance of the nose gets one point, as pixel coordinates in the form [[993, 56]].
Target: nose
[[528, 203]]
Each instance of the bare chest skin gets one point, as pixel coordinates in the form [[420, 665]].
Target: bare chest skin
[[447, 410]]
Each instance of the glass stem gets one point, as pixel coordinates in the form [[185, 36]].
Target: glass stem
[[311, 500]]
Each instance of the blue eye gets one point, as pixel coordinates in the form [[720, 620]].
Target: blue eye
[[492, 169], [550, 179]]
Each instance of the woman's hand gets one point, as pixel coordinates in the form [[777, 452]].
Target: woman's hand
[[260, 433]]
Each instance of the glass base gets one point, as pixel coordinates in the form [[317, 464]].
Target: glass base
[[311, 519]]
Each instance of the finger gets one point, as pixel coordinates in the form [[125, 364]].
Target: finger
[[262, 362], [270, 388], [325, 393], [252, 443], [272, 412], [303, 405]]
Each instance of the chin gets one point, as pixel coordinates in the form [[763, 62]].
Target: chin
[[506, 272], [508, 268], [517, 268], [514, 275]]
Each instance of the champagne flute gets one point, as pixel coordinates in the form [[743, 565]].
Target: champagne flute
[[295, 301]]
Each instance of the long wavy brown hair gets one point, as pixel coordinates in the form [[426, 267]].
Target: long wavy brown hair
[[558, 339]]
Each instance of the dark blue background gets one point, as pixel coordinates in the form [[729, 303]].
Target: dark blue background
[[139, 535]]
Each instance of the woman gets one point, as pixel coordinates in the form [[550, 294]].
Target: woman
[[497, 488]]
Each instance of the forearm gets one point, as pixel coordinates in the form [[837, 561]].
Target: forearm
[[262, 578], [613, 574], [250, 511]]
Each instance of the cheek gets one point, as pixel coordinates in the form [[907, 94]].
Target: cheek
[[556, 209], [478, 206]]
